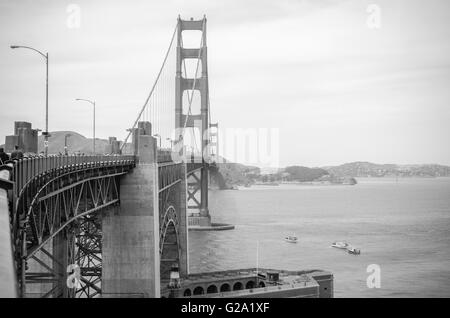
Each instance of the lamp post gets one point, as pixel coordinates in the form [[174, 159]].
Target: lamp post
[[66, 152], [159, 136], [93, 104], [45, 133]]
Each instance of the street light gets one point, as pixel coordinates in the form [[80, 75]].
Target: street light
[[159, 136], [93, 104], [45, 133], [66, 152]]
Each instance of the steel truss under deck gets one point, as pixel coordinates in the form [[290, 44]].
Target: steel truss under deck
[[57, 227], [194, 176], [57, 216]]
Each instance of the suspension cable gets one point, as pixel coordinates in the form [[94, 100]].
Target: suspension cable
[[153, 88]]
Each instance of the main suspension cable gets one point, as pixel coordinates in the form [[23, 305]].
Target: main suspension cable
[[153, 88]]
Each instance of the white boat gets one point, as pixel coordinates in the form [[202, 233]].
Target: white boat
[[341, 245], [355, 251], [291, 239]]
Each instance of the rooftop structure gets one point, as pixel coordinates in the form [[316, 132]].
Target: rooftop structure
[[254, 283]]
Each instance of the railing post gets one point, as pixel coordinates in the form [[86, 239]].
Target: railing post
[[23, 172]]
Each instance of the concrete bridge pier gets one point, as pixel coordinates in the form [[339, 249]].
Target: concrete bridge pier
[[130, 248]]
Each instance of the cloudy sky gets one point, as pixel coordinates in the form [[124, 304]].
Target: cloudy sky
[[338, 89]]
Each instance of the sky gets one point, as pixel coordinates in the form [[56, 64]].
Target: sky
[[341, 80]]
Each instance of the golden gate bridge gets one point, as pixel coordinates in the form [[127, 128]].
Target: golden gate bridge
[[116, 225]]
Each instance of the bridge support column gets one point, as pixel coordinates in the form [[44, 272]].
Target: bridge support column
[[130, 251]]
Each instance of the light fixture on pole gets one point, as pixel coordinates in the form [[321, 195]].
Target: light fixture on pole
[[159, 136], [66, 151], [45, 133], [93, 104]]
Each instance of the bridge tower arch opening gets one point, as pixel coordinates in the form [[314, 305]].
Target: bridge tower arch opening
[[170, 243]]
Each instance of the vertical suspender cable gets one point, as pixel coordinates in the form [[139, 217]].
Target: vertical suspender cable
[[153, 88]]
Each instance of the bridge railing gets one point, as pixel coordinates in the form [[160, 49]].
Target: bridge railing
[[29, 167], [7, 269], [164, 155]]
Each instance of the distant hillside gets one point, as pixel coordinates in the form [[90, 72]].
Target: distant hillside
[[227, 174], [303, 174], [368, 169], [428, 170], [75, 143], [300, 174]]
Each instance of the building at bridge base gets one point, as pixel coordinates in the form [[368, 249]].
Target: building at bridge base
[[130, 253], [255, 283]]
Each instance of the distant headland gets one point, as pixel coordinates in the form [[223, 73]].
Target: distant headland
[[233, 174]]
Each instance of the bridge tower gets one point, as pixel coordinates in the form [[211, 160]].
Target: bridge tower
[[197, 201], [214, 141]]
